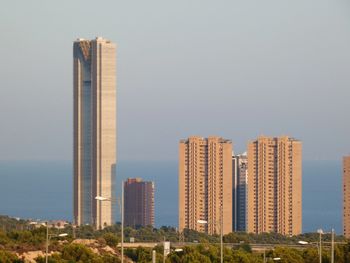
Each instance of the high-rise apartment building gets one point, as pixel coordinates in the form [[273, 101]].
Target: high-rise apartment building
[[205, 184], [346, 196], [94, 130], [274, 185], [240, 194], [138, 202]]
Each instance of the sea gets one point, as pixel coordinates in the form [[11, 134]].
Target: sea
[[44, 190]]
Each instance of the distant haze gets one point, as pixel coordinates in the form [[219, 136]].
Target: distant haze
[[44, 183], [236, 69]]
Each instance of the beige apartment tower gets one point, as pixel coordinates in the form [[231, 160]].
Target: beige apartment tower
[[346, 196], [205, 184], [94, 131], [275, 186]]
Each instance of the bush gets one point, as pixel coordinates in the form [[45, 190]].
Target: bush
[[7, 257], [111, 239]]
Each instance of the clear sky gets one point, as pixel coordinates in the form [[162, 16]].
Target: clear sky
[[236, 69]]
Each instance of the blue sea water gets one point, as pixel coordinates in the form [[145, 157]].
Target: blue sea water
[[43, 190]]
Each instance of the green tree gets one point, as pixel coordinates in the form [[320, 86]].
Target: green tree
[[78, 253], [310, 255], [4, 240], [7, 257], [111, 239], [107, 258], [288, 255], [240, 256]]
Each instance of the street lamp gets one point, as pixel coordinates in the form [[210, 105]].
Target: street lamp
[[103, 199], [48, 237], [301, 242], [221, 241], [332, 253], [320, 231], [268, 258]]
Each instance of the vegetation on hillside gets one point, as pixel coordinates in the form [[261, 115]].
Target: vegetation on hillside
[[18, 236]]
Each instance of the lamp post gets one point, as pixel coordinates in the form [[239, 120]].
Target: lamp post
[[332, 253], [154, 255], [221, 237], [103, 199], [301, 242], [320, 232], [164, 254], [48, 237], [268, 258], [47, 242], [122, 219]]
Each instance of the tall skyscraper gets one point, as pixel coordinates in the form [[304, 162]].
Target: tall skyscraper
[[240, 194], [205, 184], [94, 130], [138, 202], [346, 196], [274, 185]]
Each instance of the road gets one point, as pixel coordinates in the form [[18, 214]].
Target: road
[[255, 247]]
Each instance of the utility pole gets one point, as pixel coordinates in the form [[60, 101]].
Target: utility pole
[[73, 229], [332, 255], [153, 256], [47, 242], [221, 238], [164, 251], [320, 248], [122, 215]]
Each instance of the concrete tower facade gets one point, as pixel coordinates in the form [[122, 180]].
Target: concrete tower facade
[[205, 184], [94, 130], [346, 196], [138, 202], [275, 186]]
